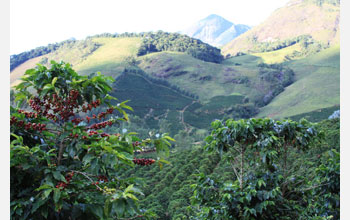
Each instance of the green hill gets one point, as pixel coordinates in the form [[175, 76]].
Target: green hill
[[317, 86]]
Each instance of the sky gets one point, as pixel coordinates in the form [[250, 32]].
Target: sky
[[40, 22]]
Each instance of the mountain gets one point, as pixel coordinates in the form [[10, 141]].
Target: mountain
[[215, 30], [316, 18]]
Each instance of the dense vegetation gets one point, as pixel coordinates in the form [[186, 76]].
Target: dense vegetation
[[163, 41], [168, 192], [278, 77]]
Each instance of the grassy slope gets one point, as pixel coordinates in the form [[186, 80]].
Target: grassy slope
[[293, 20], [246, 60], [186, 72], [316, 86], [18, 72], [278, 56], [108, 58]]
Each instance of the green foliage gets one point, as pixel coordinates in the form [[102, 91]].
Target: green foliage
[[325, 190], [163, 41], [331, 129], [168, 192], [63, 166], [269, 183]]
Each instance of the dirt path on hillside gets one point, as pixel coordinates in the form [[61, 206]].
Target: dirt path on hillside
[[187, 127]]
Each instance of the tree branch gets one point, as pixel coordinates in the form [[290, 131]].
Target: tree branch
[[313, 187], [86, 176], [236, 173], [60, 153]]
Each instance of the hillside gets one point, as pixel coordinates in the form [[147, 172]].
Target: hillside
[[215, 30], [319, 19], [317, 86], [194, 92]]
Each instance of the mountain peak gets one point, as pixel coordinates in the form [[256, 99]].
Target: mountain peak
[[214, 30], [212, 16]]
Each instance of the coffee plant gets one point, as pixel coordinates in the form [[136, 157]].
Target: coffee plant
[[63, 163], [274, 176]]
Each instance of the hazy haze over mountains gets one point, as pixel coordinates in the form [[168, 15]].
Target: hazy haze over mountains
[[215, 30]]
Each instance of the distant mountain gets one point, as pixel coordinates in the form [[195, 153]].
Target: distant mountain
[[215, 30], [316, 18]]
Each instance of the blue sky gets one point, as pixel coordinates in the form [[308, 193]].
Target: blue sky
[[40, 22]]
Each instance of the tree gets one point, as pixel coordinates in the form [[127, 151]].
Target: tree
[[63, 164]]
